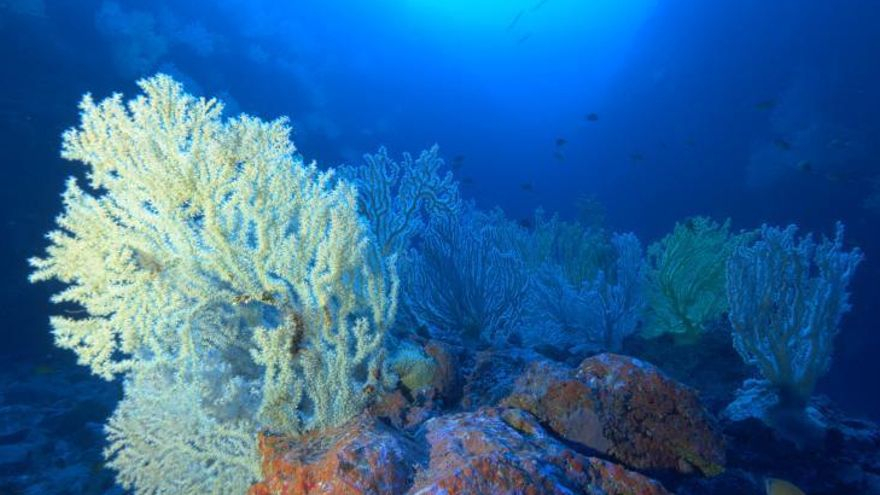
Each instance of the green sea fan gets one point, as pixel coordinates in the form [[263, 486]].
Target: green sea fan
[[686, 278]]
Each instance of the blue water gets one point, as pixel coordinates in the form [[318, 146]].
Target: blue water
[[756, 111]]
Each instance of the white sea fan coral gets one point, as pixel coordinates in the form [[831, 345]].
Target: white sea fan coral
[[787, 297], [204, 241], [166, 436]]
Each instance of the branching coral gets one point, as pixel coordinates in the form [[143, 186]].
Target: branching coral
[[558, 312], [203, 240], [400, 198], [686, 278], [619, 293], [580, 251], [787, 296], [170, 434], [467, 279], [598, 313]]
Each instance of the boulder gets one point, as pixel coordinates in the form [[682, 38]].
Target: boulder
[[505, 450], [488, 451], [361, 457], [624, 408]]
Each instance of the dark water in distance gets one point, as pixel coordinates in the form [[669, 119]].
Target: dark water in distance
[[753, 110]]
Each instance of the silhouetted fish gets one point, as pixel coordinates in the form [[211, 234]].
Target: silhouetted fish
[[591, 117], [782, 144], [838, 143], [516, 19], [805, 166], [467, 181], [522, 39], [560, 142], [539, 5], [457, 162], [44, 369], [636, 157], [840, 176], [766, 105], [527, 187]]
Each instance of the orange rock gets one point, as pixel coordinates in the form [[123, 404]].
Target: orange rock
[[625, 408], [496, 451], [362, 457]]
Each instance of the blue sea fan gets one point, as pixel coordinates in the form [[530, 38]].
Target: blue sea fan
[[466, 279]]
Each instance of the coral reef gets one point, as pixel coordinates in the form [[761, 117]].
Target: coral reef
[[246, 300]]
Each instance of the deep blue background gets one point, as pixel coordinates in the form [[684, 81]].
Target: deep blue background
[[677, 86]]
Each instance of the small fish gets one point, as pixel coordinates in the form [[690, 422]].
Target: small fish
[[516, 19], [457, 162], [775, 486], [527, 186], [837, 143], [805, 166], [43, 369], [467, 181], [522, 39], [539, 5], [591, 117], [96, 467], [782, 144], [841, 177], [765, 105], [637, 157], [560, 142], [559, 156], [526, 222]]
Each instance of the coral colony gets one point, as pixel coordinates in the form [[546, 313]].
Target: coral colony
[[266, 317]]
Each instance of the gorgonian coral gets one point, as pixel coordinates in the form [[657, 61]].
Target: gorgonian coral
[[596, 313], [204, 247], [467, 279], [787, 296], [400, 198], [686, 278]]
